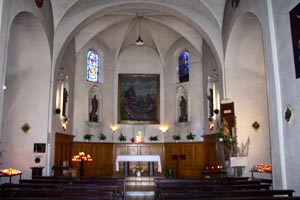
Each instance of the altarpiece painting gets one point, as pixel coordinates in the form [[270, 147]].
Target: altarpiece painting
[[138, 99]]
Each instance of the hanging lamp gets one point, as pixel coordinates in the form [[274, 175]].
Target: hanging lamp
[[139, 41]]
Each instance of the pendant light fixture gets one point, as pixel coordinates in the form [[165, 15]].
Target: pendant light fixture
[[139, 41]]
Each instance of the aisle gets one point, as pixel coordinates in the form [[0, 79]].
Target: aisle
[[139, 188]]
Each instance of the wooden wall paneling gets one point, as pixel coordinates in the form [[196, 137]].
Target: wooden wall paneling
[[145, 149], [132, 149], [63, 148], [119, 149], [195, 158], [158, 149], [210, 141], [139, 149], [102, 154]]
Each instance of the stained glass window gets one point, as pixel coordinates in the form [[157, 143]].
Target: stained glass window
[[92, 66], [184, 66]]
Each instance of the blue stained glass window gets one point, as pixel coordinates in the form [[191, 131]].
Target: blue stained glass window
[[184, 66], [92, 66]]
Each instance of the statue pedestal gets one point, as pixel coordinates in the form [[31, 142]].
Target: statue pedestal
[[95, 128]]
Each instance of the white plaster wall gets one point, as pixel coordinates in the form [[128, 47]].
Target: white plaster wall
[[81, 91], [246, 86], [263, 10], [26, 99], [139, 60], [194, 90], [209, 64], [289, 89], [66, 68]]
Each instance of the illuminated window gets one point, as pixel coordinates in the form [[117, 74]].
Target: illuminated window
[[184, 66], [92, 66]]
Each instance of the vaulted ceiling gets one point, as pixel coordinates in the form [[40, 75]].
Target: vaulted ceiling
[[117, 24]]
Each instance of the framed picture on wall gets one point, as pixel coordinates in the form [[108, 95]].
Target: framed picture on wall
[[39, 147], [138, 99], [295, 24]]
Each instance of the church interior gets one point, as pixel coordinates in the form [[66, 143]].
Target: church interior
[[96, 88]]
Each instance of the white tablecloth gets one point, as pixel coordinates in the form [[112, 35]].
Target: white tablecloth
[[139, 158]]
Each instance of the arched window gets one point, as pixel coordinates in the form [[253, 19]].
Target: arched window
[[184, 66], [92, 66]]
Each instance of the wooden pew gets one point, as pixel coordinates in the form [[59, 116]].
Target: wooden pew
[[215, 188], [183, 194], [106, 187]]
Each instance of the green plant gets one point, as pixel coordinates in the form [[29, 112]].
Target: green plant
[[87, 136], [220, 135], [176, 137], [102, 136], [122, 137], [169, 172], [190, 136], [153, 138]]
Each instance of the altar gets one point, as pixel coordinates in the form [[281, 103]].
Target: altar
[[139, 158]]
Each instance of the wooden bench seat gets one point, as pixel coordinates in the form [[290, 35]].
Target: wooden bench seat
[[103, 188], [183, 194]]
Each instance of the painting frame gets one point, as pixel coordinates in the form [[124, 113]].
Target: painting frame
[[39, 147], [139, 99]]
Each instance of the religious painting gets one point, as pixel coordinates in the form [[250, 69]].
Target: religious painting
[[295, 24], [138, 99]]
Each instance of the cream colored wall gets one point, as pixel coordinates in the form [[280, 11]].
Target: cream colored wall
[[245, 66], [281, 84], [140, 60], [289, 89], [27, 97]]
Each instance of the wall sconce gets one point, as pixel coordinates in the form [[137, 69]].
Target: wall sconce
[[163, 129], [114, 128], [64, 122]]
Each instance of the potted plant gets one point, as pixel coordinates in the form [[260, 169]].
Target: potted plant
[[153, 138], [138, 170], [102, 137], [190, 136], [176, 137], [87, 137], [122, 138]]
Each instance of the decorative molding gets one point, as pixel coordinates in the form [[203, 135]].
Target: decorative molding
[[256, 125], [288, 113]]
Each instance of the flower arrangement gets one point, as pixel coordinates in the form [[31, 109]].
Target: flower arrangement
[[137, 169], [153, 138], [190, 136], [87, 136], [122, 137], [176, 137], [102, 136]]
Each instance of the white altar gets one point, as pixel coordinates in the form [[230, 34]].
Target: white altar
[[138, 158]]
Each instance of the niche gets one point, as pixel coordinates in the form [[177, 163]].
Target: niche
[[94, 104], [182, 105]]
